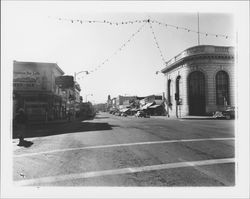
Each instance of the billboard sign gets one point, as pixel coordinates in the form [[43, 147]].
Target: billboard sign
[[65, 82]]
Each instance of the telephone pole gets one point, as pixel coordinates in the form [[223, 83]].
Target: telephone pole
[[198, 30]]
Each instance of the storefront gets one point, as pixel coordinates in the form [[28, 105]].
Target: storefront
[[35, 91]]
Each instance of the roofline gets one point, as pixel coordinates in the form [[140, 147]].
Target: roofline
[[55, 64], [169, 66], [208, 46]]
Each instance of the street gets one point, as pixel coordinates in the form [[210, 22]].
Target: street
[[127, 151]]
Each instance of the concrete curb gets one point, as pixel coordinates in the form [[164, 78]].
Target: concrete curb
[[198, 118]]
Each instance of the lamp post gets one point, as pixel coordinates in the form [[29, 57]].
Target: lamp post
[[84, 71], [86, 96]]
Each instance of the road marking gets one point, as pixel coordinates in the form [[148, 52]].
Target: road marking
[[119, 145], [92, 174]]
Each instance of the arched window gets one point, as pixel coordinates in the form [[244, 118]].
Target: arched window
[[222, 88], [169, 92]]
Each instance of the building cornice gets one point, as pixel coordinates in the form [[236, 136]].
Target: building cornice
[[41, 64], [200, 52]]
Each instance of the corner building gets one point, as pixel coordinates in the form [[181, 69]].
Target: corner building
[[200, 80], [35, 91]]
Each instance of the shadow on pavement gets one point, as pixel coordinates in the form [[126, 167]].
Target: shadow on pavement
[[101, 117], [40, 130], [25, 143]]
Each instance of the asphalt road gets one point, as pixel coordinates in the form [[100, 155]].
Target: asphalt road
[[126, 151]]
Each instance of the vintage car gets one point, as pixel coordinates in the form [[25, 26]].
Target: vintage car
[[118, 113], [142, 114], [124, 114], [228, 113]]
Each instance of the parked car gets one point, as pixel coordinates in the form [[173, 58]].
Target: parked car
[[118, 113], [124, 114], [141, 114], [229, 113]]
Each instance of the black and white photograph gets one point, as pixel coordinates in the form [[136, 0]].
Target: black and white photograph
[[123, 99]]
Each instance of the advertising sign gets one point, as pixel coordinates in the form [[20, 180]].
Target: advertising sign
[[65, 81], [26, 79]]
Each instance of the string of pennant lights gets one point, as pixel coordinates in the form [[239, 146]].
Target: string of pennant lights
[[100, 21], [157, 44], [145, 21], [119, 49], [115, 23], [190, 30]]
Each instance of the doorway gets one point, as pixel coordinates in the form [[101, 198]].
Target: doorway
[[197, 100]]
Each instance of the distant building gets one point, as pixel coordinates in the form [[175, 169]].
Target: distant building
[[71, 89], [109, 103], [153, 104], [77, 91], [87, 110], [113, 103], [100, 107], [153, 98], [123, 101], [35, 91], [200, 80]]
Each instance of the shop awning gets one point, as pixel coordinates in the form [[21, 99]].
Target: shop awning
[[154, 106], [147, 105], [135, 109], [159, 102], [124, 110]]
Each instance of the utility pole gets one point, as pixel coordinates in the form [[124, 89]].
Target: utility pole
[[198, 30]]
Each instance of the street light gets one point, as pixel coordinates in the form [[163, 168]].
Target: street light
[[84, 71], [87, 96]]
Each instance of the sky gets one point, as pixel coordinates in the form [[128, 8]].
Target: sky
[[34, 33]]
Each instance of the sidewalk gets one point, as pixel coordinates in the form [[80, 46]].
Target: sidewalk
[[189, 117], [47, 122]]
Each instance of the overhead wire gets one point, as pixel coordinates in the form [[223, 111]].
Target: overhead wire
[[117, 23], [145, 21], [190, 30], [121, 47], [157, 43]]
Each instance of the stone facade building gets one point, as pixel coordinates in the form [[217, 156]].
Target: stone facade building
[[200, 80]]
